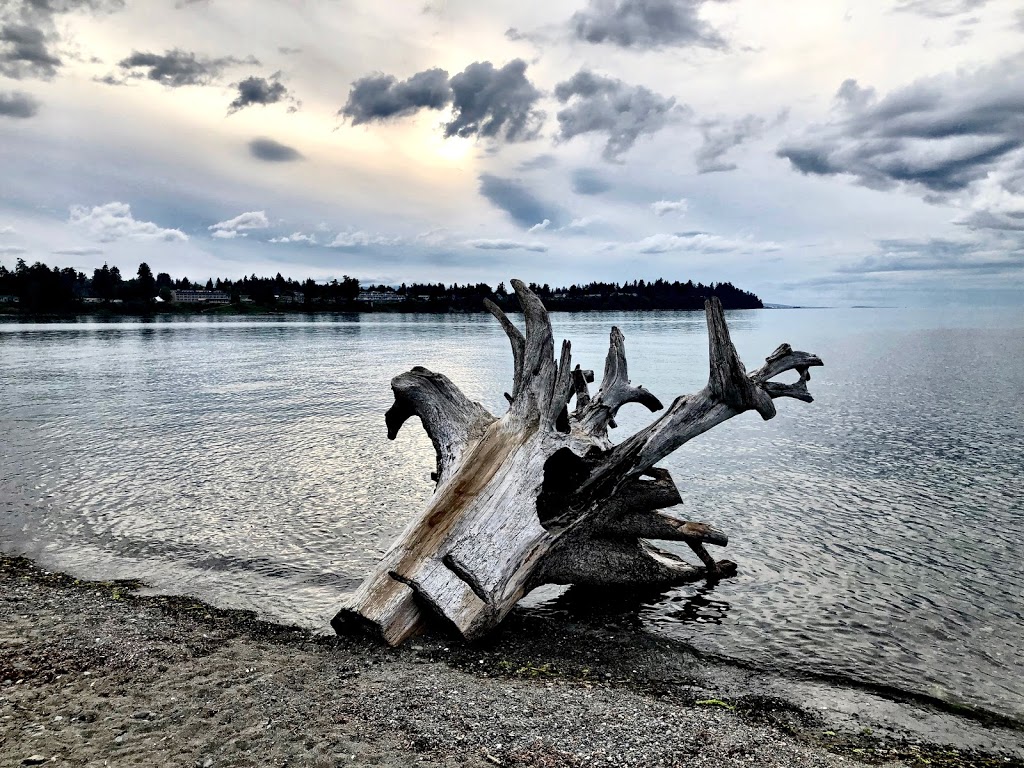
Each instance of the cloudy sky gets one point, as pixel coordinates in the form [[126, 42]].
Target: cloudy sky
[[813, 151]]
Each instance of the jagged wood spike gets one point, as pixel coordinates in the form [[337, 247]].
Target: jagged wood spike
[[599, 413], [518, 342], [728, 380], [539, 368], [562, 389]]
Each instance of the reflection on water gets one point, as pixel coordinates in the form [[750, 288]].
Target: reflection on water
[[697, 605], [877, 531]]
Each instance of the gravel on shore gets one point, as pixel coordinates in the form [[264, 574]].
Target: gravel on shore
[[92, 674]]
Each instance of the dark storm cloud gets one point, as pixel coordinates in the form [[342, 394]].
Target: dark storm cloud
[[608, 105], [381, 97], [176, 67], [28, 35], [273, 151], [260, 90], [942, 134], [525, 208], [645, 24], [494, 103], [938, 9], [587, 181], [17, 104], [24, 53]]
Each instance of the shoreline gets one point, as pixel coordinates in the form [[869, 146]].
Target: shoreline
[[98, 673], [354, 309]]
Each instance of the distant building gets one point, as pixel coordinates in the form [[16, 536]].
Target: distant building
[[92, 300], [296, 297], [379, 297], [8, 299], [189, 296]]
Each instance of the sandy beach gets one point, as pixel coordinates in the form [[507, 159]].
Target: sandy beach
[[92, 674]]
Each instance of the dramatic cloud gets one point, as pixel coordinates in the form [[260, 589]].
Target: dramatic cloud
[[176, 68], [608, 105], [957, 138], [507, 245], [260, 90], [231, 228], [662, 207], [382, 97], [114, 221], [720, 136], [587, 181], [273, 151], [18, 104], [24, 53], [645, 24], [494, 103], [28, 34], [525, 208], [540, 227], [938, 9]]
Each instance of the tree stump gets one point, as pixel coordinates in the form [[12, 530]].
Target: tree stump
[[541, 495]]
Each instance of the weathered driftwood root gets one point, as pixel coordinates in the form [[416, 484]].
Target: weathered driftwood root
[[541, 495]]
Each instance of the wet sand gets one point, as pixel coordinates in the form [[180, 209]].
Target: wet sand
[[92, 674]]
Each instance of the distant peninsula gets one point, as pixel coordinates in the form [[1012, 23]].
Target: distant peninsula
[[39, 289]]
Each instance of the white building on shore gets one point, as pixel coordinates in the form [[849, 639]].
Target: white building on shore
[[189, 296]]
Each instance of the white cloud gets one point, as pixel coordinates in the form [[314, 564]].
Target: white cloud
[[359, 239], [546, 224], [663, 207], [250, 220], [229, 234], [11, 250], [702, 242], [435, 236], [294, 237], [581, 223], [506, 245], [114, 221], [7, 230]]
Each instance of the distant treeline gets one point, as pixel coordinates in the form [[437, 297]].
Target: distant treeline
[[39, 288]]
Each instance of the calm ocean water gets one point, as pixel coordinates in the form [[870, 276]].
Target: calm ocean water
[[878, 531]]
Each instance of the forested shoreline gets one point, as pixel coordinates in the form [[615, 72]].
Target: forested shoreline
[[40, 289]]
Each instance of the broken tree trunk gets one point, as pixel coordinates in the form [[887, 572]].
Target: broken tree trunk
[[541, 495]]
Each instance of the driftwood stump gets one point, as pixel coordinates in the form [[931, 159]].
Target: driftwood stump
[[541, 495]]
